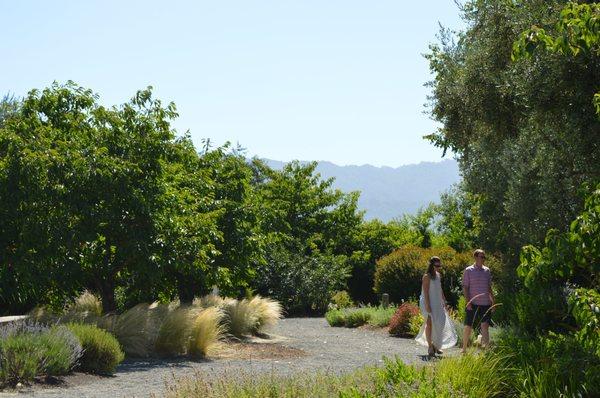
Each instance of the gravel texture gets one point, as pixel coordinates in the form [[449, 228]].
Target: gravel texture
[[324, 347]]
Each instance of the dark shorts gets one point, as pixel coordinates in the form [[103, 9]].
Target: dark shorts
[[477, 315]]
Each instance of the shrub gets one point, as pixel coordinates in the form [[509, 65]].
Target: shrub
[[30, 350], [399, 274], [101, 350], [336, 317], [62, 350], [207, 330], [342, 299], [354, 317], [400, 322], [552, 365], [302, 284], [210, 300]]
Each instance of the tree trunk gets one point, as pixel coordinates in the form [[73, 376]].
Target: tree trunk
[[185, 289]]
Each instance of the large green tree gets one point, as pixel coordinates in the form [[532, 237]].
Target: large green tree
[[525, 132], [81, 188]]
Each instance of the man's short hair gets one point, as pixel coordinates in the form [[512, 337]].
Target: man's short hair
[[477, 252]]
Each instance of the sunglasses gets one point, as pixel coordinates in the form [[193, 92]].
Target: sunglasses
[[481, 257], [437, 265]]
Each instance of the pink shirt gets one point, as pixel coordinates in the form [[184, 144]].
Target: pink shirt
[[478, 280]]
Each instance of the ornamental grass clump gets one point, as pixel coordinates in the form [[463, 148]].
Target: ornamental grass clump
[[176, 330], [86, 302], [137, 329], [266, 311], [240, 319], [207, 331]]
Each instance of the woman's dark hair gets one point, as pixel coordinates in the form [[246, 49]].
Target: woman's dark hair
[[431, 268]]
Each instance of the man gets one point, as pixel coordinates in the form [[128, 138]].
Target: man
[[477, 289]]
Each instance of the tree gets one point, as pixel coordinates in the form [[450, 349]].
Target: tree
[[82, 185], [524, 132]]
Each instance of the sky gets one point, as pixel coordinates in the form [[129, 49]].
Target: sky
[[286, 79]]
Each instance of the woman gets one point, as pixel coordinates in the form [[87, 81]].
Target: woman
[[437, 331]]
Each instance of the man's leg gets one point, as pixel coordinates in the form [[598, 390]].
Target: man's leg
[[466, 337], [485, 334]]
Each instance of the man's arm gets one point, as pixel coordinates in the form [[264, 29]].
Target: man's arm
[[491, 292]]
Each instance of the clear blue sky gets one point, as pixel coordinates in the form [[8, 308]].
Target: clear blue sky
[[304, 79]]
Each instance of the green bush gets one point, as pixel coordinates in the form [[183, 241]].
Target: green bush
[[302, 284], [400, 273], [400, 322], [101, 350], [27, 351]]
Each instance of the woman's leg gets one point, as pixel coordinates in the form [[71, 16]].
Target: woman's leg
[[428, 333]]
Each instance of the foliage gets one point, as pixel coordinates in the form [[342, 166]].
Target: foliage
[[552, 365], [101, 351], [302, 284], [342, 299], [176, 330], [414, 324], [576, 32], [585, 307], [374, 239], [452, 377], [400, 324], [29, 350], [524, 132]]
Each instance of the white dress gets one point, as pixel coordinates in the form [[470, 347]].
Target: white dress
[[443, 334]]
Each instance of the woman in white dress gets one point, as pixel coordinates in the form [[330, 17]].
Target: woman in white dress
[[437, 332]]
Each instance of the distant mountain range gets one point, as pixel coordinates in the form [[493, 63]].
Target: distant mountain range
[[388, 192]]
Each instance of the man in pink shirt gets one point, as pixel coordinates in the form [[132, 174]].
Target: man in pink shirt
[[477, 289]]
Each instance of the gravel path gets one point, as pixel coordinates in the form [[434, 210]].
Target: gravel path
[[326, 348]]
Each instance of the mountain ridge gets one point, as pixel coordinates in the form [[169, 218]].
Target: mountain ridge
[[389, 192]]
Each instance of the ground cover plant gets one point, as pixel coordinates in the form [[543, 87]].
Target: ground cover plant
[[358, 316]]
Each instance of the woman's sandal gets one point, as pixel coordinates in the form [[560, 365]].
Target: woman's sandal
[[438, 351]]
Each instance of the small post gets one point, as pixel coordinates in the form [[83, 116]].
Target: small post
[[385, 300]]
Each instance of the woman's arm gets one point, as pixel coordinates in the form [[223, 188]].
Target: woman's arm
[[425, 287]]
